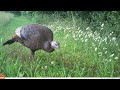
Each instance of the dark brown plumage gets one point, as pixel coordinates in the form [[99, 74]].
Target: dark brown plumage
[[35, 37]]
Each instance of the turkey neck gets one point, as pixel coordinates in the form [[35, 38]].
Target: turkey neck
[[47, 46]]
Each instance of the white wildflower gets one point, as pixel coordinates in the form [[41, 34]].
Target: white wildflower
[[45, 67], [110, 60], [102, 28], [90, 35], [79, 35], [102, 25], [100, 53], [117, 44], [67, 28], [86, 40], [110, 34], [116, 57], [105, 52], [114, 38], [78, 28], [105, 39], [104, 48], [112, 55], [82, 40], [87, 28], [95, 49], [52, 62]]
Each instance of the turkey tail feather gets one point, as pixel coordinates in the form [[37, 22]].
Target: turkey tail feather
[[10, 41]]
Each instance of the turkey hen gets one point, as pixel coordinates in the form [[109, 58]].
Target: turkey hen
[[34, 37]]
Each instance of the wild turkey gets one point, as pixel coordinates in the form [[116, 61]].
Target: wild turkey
[[34, 37]]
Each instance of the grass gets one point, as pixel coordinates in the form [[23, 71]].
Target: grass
[[83, 53], [5, 18]]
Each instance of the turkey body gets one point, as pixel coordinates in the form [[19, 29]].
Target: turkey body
[[34, 37]]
